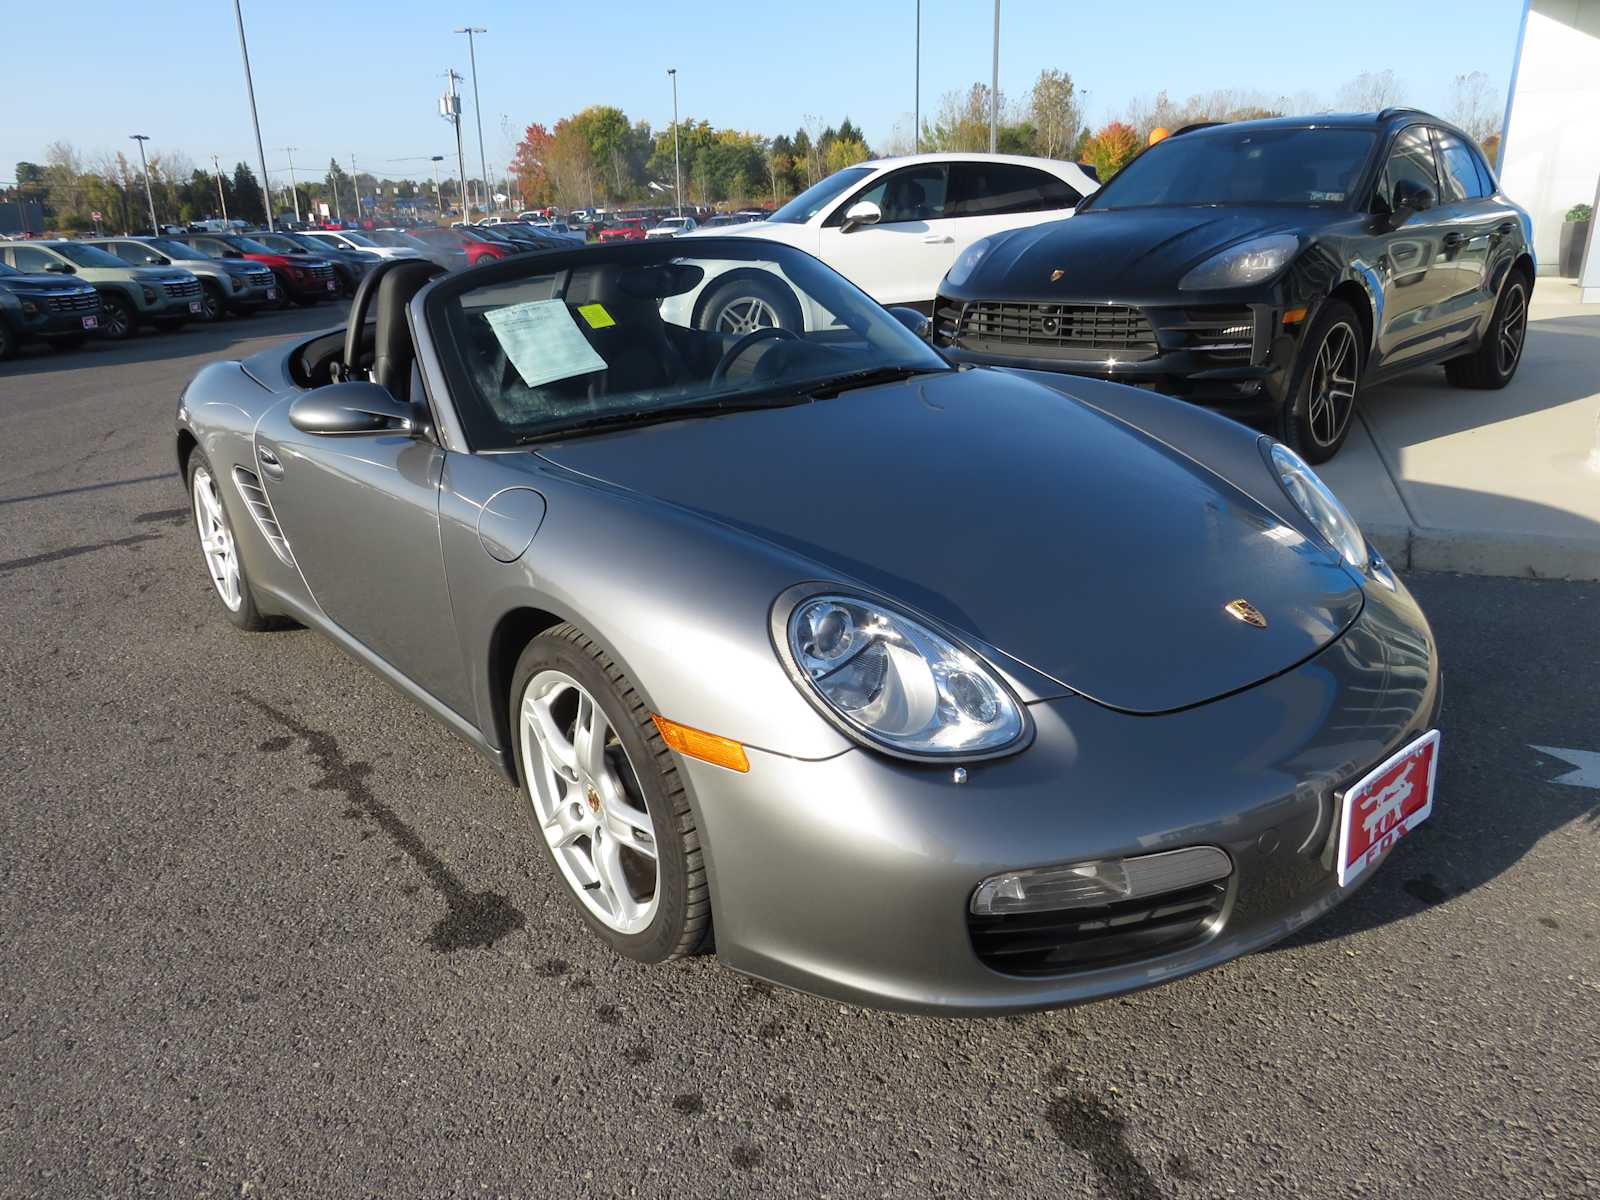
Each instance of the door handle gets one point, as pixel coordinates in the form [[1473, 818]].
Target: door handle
[[936, 239], [269, 462]]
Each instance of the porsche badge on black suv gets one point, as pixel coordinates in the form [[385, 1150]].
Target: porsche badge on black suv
[[1264, 268]]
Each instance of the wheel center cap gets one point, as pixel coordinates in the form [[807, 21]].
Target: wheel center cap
[[593, 797]]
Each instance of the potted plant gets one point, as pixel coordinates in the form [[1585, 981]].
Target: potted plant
[[1574, 237]]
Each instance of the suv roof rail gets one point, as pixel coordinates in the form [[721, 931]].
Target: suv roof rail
[[1190, 128], [1396, 109]]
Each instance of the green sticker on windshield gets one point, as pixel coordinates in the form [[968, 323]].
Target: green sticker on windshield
[[596, 315]]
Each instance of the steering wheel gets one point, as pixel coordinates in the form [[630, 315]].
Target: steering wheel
[[744, 343]]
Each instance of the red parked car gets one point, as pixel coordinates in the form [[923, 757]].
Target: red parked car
[[303, 278], [478, 248], [628, 229]]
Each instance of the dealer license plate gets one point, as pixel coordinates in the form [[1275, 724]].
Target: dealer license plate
[[1386, 804], [272, 293], [194, 306], [91, 322], [332, 285]]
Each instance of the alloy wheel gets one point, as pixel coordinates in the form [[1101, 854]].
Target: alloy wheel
[[588, 802], [216, 540], [747, 314], [1513, 329], [119, 321], [212, 302], [1333, 385]]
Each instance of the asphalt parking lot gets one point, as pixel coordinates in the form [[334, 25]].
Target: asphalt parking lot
[[269, 931]]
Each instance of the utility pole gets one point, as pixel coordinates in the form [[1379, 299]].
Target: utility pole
[[250, 90], [438, 195], [994, 85], [148, 194], [355, 185], [450, 110], [293, 187], [916, 101], [677, 162], [221, 199], [477, 108]]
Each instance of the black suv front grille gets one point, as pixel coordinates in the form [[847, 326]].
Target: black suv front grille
[[86, 303], [1078, 939], [1070, 332], [320, 274]]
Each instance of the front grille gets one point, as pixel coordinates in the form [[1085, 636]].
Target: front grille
[[255, 498], [1222, 336], [189, 289], [84, 303], [1077, 939], [320, 274], [258, 279], [1072, 332]]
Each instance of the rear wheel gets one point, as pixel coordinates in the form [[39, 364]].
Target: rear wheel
[[606, 797], [1321, 404], [746, 304], [116, 318], [1495, 361]]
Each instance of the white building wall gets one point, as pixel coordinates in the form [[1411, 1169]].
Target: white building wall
[[1551, 152]]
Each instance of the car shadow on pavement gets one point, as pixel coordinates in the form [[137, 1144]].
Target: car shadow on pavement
[[1497, 795], [152, 346]]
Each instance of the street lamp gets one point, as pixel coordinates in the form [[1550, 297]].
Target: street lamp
[[677, 163], [994, 85], [148, 194], [477, 109], [250, 90], [293, 187], [438, 195], [916, 100], [221, 199]]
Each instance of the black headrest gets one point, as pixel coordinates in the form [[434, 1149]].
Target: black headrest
[[366, 291]]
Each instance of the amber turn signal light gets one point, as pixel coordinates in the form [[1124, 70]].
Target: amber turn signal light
[[697, 743], [1294, 316]]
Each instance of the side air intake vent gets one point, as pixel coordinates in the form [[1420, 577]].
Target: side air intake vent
[[249, 485]]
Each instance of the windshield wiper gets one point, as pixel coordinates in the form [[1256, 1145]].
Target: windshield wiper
[[828, 388], [675, 412]]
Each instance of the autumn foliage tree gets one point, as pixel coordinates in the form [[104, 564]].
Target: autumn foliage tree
[[1111, 148]]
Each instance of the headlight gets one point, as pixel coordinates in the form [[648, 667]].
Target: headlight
[[149, 295], [896, 684], [1239, 266], [1321, 507], [29, 308], [237, 282], [967, 262]]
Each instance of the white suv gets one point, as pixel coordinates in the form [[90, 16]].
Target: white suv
[[893, 227]]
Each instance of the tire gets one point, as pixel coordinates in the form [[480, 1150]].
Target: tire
[[1316, 415], [238, 603], [1494, 362], [282, 302], [118, 321], [638, 776], [213, 305], [748, 303], [8, 341]]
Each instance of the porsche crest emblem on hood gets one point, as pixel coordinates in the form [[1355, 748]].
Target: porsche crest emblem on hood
[[1056, 274], [1242, 610]]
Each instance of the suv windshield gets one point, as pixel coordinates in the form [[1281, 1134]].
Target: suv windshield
[[567, 344], [246, 245], [806, 205], [359, 239], [174, 250], [87, 256], [1261, 165]]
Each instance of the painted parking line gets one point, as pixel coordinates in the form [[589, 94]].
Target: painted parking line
[[1587, 761]]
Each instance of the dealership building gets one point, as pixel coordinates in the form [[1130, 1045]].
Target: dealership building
[[1550, 153]]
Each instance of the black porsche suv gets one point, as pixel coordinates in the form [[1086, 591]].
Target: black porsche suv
[[1268, 269]]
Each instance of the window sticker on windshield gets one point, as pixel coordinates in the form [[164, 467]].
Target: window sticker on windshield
[[596, 315], [1327, 197], [543, 341]]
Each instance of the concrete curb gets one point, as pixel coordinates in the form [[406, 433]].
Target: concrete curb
[[1482, 552]]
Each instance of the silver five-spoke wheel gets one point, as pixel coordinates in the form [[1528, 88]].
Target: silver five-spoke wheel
[[746, 315], [216, 540], [588, 802], [1332, 396]]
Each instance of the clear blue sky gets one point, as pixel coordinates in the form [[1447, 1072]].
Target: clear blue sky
[[347, 76]]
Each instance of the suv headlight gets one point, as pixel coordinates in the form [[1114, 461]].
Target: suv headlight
[[1321, 507], [1239, 266], [149, 295], [893, 683], [967, 262]]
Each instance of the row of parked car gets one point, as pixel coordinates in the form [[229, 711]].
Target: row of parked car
[[63, 292]]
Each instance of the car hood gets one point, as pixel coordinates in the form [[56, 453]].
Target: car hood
[[41, 283], [1118, 252], [1016, 515], [161, 275]]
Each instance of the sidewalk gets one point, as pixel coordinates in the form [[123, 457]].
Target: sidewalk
[[1488, 483]]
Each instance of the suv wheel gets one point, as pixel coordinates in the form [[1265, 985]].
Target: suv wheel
[[1316, 414], [1495, 360], [116, 317], [212, 305], [744, 305]]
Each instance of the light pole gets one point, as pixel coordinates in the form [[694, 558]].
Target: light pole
[[293, 187], [677, 162], [450, 110], [438, 195], [250, 90], [477, 108], [916, 100], [355, 185], [221, 199], [148, 194], [994, 85]]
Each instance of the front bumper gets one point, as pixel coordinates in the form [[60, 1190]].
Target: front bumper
[[47, 321], [850, 877], [255, 293]]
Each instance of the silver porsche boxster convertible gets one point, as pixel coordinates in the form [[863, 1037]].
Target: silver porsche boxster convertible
[[958, 690]]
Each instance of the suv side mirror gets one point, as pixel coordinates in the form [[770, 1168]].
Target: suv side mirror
[[862, 212], [355, 407], [158, 260], [1410, 197], [59, 268], [911, 318]]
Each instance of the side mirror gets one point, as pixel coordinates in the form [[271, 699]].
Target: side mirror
[[862, 212], [354, 407], [159, 260], [59, 268], [233, 254], [1410, 197], [912, 319]]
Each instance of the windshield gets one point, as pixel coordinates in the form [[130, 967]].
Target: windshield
[[1261, 165], [87, 256], [391, 237], [807, 204], [614, 334], [174, 249], [246, 245], [359, 239], [283, 242]]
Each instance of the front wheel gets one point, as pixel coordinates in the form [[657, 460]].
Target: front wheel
[[607, 800], [116, 318], [746, 304], [218, 548], [212, 305], [1495, 360], [1316, 414]]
